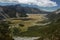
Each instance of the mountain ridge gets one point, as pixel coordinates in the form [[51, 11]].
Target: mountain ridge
[[17, 8]]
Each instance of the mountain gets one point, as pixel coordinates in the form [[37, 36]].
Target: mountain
[[54, 16], [7, 3], [11, 10], [15, 3], [27, 7]]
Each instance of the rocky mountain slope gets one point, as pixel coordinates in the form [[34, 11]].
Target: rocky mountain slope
[[54, 16], [11, 10]]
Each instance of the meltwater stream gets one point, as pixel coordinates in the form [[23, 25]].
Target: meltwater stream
[[25, 38]]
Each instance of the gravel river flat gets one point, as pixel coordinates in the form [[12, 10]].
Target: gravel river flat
[[25, 38]]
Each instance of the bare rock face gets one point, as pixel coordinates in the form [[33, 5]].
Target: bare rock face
[[54, 16]]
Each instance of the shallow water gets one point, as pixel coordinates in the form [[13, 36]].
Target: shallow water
[[25, 38]]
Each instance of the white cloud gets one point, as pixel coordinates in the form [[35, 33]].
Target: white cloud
[[42, 3]]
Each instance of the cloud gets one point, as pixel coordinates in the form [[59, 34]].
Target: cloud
[[41, 3]]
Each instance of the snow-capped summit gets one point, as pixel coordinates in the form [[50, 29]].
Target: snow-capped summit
[[7, 3]]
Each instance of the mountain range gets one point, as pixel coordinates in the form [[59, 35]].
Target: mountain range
[[27, 7], [12, 8]]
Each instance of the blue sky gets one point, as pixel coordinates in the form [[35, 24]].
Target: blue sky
[[58, 2], [54, 7]]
